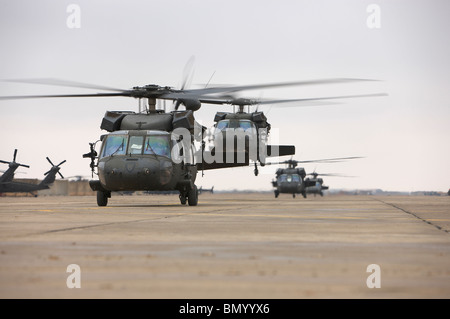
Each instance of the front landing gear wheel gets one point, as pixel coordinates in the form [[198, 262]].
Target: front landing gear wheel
[[193, 196], [102, 198], [183, 199]]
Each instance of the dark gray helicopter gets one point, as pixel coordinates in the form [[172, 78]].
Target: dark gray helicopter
[[11, 186], [8, 175], [250, 130], [291, 180], [314, 185], [154, 150]]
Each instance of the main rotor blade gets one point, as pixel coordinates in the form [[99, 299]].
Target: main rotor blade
[[66, 83], [188, 73], [322, 98], [336, 159], [61, 163], [331, 174], [19, 97], [326, 160], [50, 161], [15, 153], [213, 90], [243, 102]]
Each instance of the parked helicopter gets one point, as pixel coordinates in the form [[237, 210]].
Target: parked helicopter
[[8, 175], [291, 180], [20, 187], [154, 150]]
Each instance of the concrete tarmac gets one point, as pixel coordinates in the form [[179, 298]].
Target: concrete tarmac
[[229, 246]]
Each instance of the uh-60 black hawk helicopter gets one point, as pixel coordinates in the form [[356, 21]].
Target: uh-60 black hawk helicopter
[[154, 150], [291, 180], [314, 184], [8, 185], [250, 130], [8, 175]]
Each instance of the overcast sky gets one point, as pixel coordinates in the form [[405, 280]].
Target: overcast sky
[[404, 44]]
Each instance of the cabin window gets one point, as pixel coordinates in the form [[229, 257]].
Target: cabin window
[[115, 145], [157, 144]]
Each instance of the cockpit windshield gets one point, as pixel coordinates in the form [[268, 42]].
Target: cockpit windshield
[[139, 144], [115, 145], [244, 124], [289, 178], [155, 144]]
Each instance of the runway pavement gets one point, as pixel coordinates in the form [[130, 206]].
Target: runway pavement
[[229, 246]]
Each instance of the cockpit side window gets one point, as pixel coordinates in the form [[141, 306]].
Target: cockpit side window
[[115, 145], [159, 145]]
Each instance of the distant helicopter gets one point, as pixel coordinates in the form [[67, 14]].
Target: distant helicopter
[[210, 190], [250, 130], [20, 187], [8, 175], [314, 185], [291, 180], [154, 150]]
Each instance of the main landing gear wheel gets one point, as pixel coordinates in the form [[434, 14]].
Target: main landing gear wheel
[[193, 196], [102, 198], [276, 194]]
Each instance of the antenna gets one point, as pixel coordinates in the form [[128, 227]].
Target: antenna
[[210, 79]]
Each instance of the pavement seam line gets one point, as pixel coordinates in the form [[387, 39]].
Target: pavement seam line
[[414, 215]]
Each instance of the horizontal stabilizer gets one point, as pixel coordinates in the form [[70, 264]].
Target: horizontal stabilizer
[[216, 160], [280, 150]]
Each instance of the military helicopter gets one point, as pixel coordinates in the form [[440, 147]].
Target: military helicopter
[[291, 180], [209, 190], [314, 185], [154, 150], [8, 175], [249, 131], [10, 186]]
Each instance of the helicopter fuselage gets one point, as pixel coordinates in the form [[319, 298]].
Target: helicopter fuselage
[[141, 160], [315, 186], [290, 181]]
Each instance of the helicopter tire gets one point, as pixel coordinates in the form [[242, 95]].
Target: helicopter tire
[[276, 194], [293, 195], [193, 196], [182, 199], [102, 198]]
